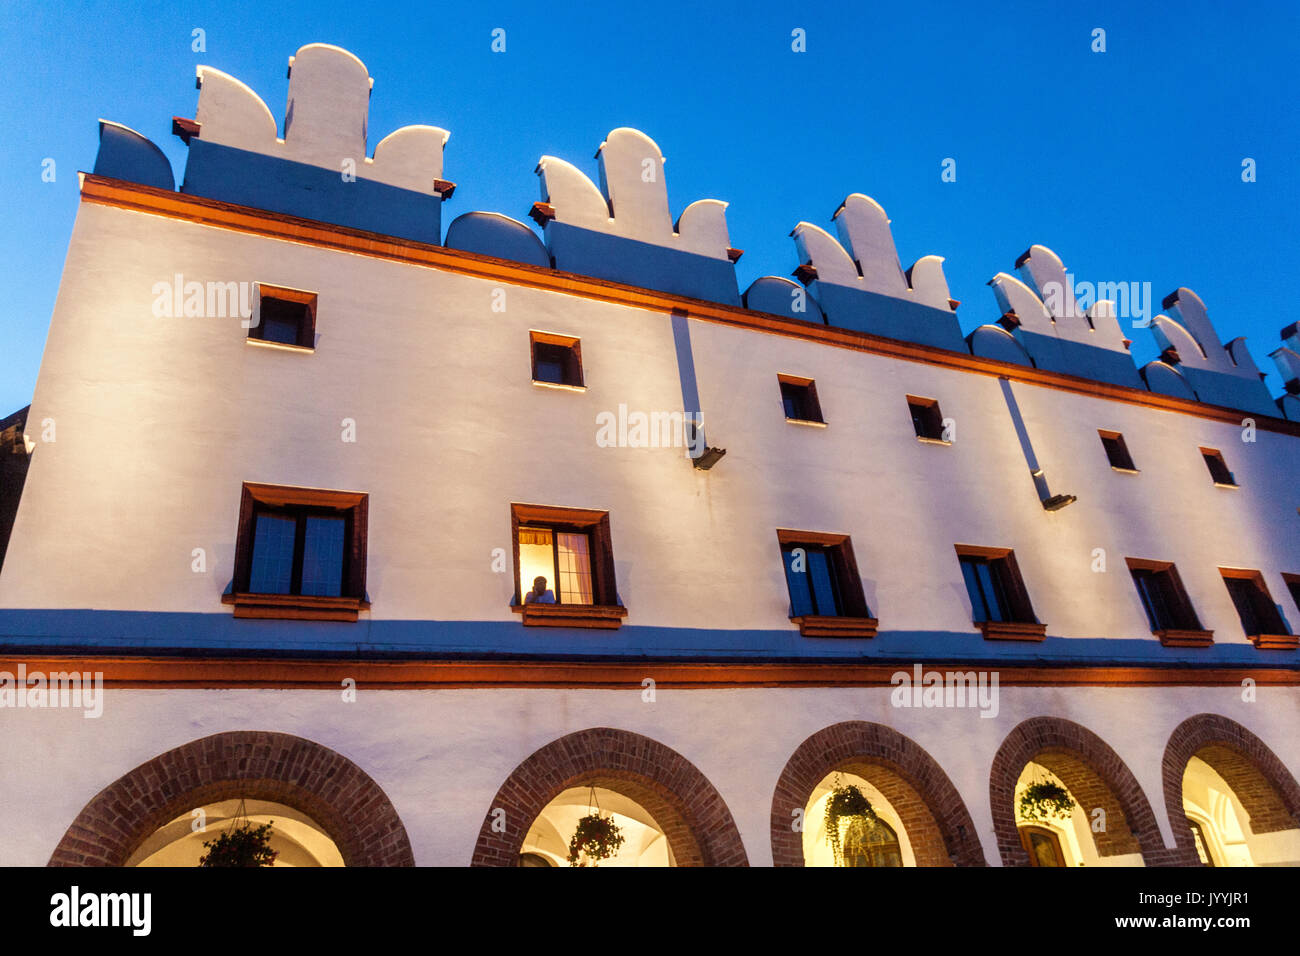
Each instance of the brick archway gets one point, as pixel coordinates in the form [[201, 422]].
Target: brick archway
[[1267, 790], [937, 823], [683, 803], [263, 765], [1093, 773]]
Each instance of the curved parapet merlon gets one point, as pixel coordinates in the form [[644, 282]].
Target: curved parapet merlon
[[325, 123], [632, 199], [1188, 331], [1098, 325], [126, 154], [1017, 299], [995, 342]]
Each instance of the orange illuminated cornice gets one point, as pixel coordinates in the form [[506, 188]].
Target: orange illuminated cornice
[[224, 215], [215, 672]]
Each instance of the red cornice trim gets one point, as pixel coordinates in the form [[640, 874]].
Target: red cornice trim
[[212, 212], [215, 672]]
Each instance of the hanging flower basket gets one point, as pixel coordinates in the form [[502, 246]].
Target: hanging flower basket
[[241, 845], [846, 804], [1044, 801], [597, 838]]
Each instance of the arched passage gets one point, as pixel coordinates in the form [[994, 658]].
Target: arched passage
[[682, 802], [938, 826], [1095, 776], [1259, 780], [257, 765]]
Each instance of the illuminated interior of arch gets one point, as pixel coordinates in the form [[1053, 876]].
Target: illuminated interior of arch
[[1073, 835], [1221, 826], [644, 843], [297, 838], [817, 849]]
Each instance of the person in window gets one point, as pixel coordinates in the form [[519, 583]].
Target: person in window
[[540, 594]]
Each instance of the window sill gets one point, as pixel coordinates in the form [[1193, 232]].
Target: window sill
[[1174, 637], [925, 440], [297, 607], [1125, 471], [1226, 484], [606, 616], [805, 421], [282, 346], [814, 625], [1011, 630], [560, 386], [1275, 642]]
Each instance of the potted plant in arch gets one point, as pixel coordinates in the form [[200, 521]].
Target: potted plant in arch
[[242, 845], [596, 838], [846, 804], [1044, 800]]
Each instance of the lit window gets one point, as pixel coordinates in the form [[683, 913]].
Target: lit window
[[564, 567]]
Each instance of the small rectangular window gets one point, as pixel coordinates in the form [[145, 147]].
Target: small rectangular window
[[927, 420], [1260, 618], [822, 578], [799, 397], [1293, 585], [557, 359], [284, 317], [1168, 609], [999, 601], [1117, 451], [564, 567], [1218, 467], [299, 552]]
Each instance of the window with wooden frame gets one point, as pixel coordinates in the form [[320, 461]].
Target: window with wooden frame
[[1168, 608], [571, 549], [300, 553], [999, 601], [799, 398], [1042, 845], [1260, 618], [1117, 451], [557, 360], [927, 420], [284, 317], [825, 588], [1218, 468]]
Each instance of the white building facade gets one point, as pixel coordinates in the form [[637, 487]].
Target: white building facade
[[298, 454]]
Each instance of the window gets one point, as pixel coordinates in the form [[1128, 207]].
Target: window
[[999, 601], [1168, 608], [571, 549], [285, 317], [1042, 845], [825, 588], [1260, 618], [557, 359], [300, 552], [926, 419], [1293, 585], [1218, 467], [799, 396], [871, 843], [1117, 451]]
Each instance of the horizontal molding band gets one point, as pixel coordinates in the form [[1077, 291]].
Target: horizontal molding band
[[212, 212], [215, 672]]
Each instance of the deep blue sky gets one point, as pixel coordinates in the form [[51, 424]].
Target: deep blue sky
[[1127, 163]]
